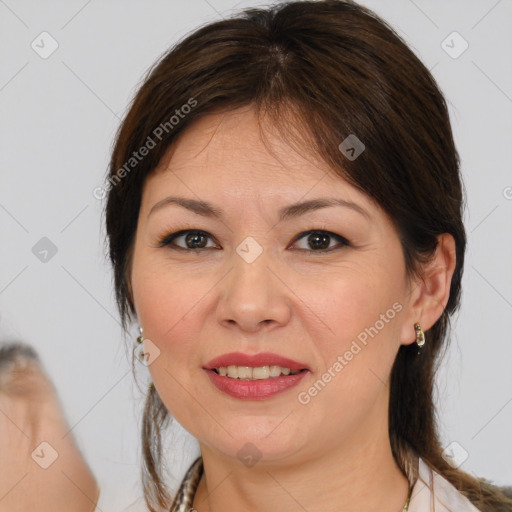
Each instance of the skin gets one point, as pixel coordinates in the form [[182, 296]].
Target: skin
[[31, 414], [302, 304]]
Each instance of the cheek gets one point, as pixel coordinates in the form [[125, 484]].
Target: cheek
[[355, 301], [170, 306], [166, 307], [161, 303], [355, 349], [358, 336], [162, 296]]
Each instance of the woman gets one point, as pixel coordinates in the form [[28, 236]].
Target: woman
[[284, 220]]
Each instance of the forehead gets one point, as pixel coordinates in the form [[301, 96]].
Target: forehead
[[237, 151], [221, 140]]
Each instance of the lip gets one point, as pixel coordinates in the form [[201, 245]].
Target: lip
[[254, 389], [255, 360]]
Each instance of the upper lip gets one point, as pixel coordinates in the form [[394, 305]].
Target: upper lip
[[254, 360]]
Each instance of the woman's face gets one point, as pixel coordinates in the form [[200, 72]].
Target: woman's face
[[321, 285]]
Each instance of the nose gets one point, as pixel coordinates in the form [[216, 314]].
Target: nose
[[253, 297]]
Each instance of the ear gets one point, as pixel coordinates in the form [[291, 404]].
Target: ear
[[430, 293]]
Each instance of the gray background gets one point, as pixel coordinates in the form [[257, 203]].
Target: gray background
[[58, 117]]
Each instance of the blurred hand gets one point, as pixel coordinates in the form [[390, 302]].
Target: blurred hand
[[41, 468]]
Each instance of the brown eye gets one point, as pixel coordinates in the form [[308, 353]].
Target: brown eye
[[319, 240], [192, 240], [195, 240]]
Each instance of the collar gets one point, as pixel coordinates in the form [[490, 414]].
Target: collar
[[434, 493]]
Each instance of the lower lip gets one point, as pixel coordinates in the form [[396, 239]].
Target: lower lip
[[255, 389]]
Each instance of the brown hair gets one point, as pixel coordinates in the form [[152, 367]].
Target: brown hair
[[324, 69]]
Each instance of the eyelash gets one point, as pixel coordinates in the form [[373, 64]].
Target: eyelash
[[166, 241]]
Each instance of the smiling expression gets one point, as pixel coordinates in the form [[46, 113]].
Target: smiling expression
[[239, 250]]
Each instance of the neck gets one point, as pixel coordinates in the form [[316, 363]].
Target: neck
[[354, 476]]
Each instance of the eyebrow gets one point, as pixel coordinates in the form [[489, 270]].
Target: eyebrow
[[206, 209]]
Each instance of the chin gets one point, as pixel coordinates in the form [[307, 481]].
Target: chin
[[251, 443]]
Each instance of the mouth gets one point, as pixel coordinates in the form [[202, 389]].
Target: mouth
[[238, 365], [256, 376], [255, 373]]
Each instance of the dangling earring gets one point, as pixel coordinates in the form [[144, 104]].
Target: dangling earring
[[420, 335], [145, 350], [139, 349], [140, 338]]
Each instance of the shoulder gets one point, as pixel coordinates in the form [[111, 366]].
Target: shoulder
[[433, 493]]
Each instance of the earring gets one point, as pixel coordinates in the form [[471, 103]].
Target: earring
[[420, 335], [139, 349], [140, 338]]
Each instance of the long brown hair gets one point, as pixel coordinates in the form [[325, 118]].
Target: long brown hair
[[321, 70]]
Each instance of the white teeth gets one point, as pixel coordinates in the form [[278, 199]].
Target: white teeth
[[275, 371], [261, 372], [244, 372], [257, 373], [233, 372]]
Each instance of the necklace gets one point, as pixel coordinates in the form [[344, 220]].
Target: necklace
[[190, 483]]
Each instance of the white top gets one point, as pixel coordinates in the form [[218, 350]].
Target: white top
[[433, 493]]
